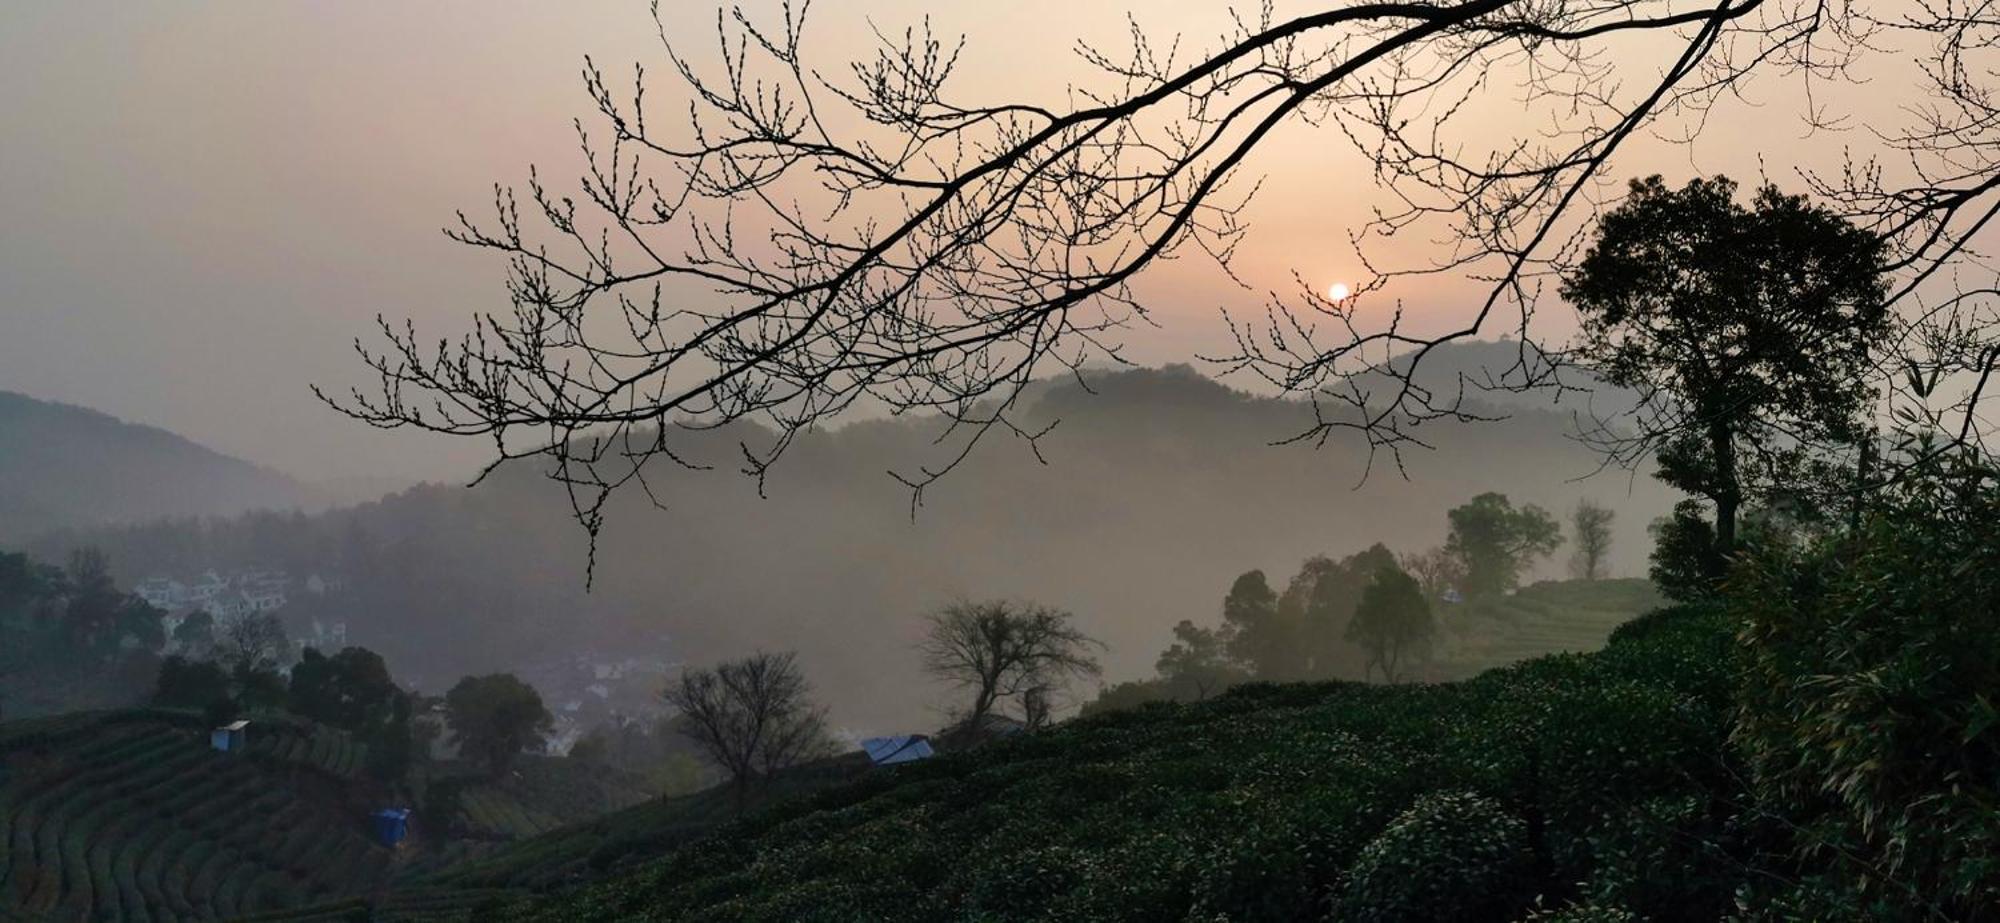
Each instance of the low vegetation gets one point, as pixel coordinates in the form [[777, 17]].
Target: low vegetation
[[131, 815], [1570, 778]]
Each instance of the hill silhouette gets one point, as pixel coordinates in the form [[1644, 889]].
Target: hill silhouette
[[1160, 486], [63, 466]]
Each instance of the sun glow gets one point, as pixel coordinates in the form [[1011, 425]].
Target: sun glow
[[1339, 291]]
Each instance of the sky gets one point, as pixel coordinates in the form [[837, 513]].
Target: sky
[[206, 203]]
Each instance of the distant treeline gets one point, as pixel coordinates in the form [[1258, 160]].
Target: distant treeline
[[1161, 486]]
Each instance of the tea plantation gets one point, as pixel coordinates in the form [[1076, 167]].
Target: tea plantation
[[1579, 787], [129, 815], [1573, 787]]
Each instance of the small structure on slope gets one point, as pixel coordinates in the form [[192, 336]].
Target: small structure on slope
[[906, 748], [231, 737], [391, 825]]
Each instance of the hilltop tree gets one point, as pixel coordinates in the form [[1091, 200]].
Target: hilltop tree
[[999, 650], [1197, 665], [495, 718], [195, 635], [1320, 601], [185, 683], [99, 623], [1392, 622], [1590, 532], [753, 717], [1435, 570], [1494, 542], [253, 643], [1250, 632], [1749, 334], [350, 690]]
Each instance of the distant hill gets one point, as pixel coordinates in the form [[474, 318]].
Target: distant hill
[[63, 466], [1160, 487]]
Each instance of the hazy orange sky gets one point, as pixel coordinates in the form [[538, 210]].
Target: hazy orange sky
[[207, 202]]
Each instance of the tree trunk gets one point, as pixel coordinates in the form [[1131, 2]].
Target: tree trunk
[[1728, 489]]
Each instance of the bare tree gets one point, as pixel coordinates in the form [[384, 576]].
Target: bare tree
[[998, 651], [1435, 570], [804, 241], [1930, 197], [253, 643], [1590, 532], [753, 717]]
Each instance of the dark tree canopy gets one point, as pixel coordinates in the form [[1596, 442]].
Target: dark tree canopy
[[1494, 542], [1320, 601], [351, 690], [1750, 334], [1392, 623], [195, 635], [185, 683], [99, 623], [1251, 632], [1198, 664], [495, 718]]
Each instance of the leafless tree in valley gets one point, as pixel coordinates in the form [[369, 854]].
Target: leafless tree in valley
[[999, 651], [1590, 532], [1435, 570], [753, 717]]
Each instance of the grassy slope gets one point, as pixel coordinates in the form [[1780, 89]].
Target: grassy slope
[[1257, 805], [1550, 617]]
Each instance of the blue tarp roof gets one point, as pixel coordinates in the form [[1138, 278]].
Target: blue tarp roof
[[907, 748]]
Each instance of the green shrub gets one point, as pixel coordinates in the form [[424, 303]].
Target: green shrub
[[1450, 856], [1586, 912], [1685, 565], [1872, 663]]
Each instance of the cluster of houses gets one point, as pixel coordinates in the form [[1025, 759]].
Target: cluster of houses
[[234, 595], [231, 596], [586, 689]]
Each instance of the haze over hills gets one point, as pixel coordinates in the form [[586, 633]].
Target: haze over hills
[[68, 467], [1160, 487], [63, 466]]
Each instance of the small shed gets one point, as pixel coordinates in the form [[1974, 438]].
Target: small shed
[[231, 737], [906, 748], [391, 825]]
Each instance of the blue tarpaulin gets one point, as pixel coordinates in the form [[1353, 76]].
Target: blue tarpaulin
[[391, 825], [888, 751]]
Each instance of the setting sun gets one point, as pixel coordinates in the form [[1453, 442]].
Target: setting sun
[[1339, 291]]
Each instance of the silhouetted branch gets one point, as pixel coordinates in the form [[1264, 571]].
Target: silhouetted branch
[[802, 242]]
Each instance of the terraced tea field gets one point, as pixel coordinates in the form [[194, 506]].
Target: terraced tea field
[[129, 815]]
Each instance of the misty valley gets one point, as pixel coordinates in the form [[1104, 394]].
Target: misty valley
[[999, 462]]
